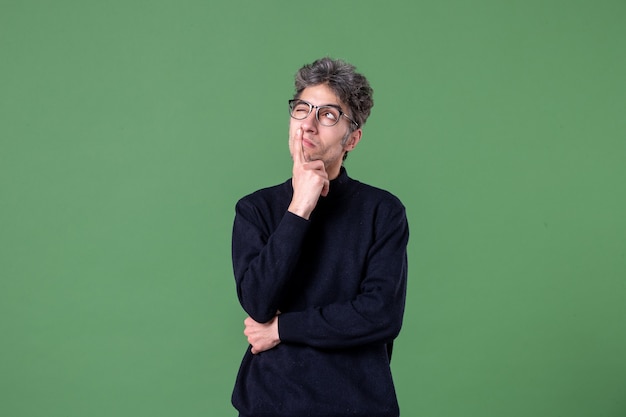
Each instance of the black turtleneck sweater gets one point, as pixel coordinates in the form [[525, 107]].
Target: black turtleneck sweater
[[339, 281]]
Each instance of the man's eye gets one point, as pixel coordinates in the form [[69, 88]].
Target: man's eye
[[330, 114], [301, 108]]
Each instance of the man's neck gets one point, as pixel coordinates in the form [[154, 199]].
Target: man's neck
[[334, 172]]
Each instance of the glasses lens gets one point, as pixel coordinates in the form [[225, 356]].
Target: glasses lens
[[299, 109], [328, 116]]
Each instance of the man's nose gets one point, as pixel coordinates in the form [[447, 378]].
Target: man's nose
[[310, 122]]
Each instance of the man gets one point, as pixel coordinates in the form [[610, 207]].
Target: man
[[320, 265]]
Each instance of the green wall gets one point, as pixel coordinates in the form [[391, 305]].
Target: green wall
[[128, 130]]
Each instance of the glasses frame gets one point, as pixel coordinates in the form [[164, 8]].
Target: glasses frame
[[294, 101]]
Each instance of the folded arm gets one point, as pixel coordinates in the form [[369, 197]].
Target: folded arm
[[375, 314]]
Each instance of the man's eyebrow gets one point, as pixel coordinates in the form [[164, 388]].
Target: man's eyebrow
[[336, 106], [321, 105]]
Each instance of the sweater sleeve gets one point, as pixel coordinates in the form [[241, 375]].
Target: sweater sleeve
[[375, 314], [263, 260]]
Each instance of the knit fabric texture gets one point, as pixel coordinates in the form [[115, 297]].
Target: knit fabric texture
[[339, 282]]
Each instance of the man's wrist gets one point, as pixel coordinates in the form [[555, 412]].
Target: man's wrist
[[277, 329], [299, 211]]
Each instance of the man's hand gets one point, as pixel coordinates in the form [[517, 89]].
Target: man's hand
[[309, 180], [262, 336]]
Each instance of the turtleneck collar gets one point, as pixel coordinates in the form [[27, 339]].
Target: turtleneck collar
[[338, 188]]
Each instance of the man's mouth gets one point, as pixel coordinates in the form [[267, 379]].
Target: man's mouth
[[307, 143]]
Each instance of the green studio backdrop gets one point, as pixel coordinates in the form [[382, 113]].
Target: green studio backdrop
[[128, 130]]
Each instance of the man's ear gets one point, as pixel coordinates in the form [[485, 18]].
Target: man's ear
[[353, 140]]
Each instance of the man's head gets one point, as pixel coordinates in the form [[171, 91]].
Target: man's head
[[349, 86], [331, 104]]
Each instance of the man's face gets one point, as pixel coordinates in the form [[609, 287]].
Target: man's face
[[324, 142]]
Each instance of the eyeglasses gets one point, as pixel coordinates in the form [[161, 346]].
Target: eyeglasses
[[327, 115]]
